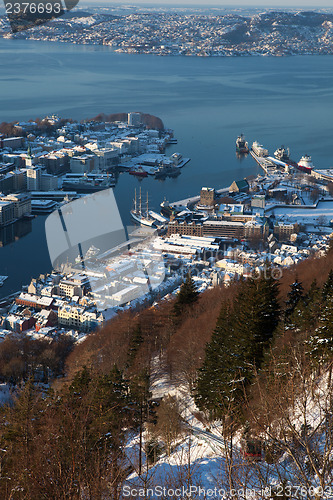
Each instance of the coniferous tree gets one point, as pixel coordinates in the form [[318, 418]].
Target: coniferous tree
[[257, 314], [187, 296], [294, 297], [305, 315], [238, 344], [328, 286], [134, 345], [320, 345], [215, 390]]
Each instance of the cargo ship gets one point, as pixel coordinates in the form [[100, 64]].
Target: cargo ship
[[242, 146]]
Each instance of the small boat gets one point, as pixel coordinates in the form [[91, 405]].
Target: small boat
[[164, 171], [138, 172]]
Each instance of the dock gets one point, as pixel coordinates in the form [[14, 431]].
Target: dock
[[263, 162]]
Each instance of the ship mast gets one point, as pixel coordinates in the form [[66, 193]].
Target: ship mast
[[135, 207], [140, 203], [147, 214]]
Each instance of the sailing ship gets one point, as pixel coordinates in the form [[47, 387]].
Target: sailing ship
[[143, 218]]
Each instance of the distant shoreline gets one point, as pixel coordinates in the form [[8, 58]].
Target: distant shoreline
[[176, 55], [274, 33]]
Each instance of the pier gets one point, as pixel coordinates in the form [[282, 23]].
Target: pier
[[263, 162]]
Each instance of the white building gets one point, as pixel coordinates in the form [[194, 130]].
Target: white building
[[34, 176], [134, 119]]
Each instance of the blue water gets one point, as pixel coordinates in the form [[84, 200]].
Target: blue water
[[207, 101]]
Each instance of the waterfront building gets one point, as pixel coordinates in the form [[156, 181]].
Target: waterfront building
[[207, 196], [6, 212], [239, 187], [21, 203], [83, 164]]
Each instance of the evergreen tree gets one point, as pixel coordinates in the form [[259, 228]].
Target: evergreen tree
[[81, 381], [134, 345], [294, 297], [19, 430], [215, 389], [306, 313], [320, 345], [257, 314], [237, 346], [187, 296], [328, 286]]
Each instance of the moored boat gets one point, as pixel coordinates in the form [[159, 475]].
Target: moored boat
[[241, 145], [138, 172]]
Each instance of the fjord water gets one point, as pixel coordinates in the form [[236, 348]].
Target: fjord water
[[207, 101]]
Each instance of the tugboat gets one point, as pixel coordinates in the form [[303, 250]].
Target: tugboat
[[242, 146], [164, 171], [139, 172]]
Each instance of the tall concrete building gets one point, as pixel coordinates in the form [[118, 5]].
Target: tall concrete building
[[134, 119]]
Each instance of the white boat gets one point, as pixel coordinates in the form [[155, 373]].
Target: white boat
[[259, 150], [306, 161]]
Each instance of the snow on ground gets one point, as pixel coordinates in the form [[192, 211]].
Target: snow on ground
[[306, 215], [200, 459]]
